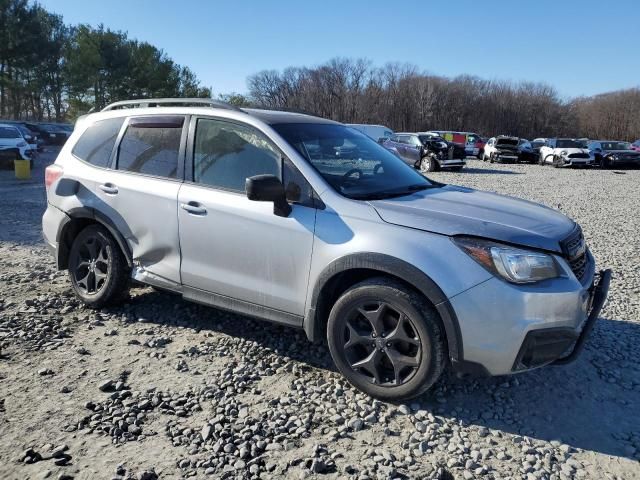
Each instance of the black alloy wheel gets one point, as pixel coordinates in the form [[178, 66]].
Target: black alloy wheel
[[386, 340], [91, 265], [381, 344], [97, 268]]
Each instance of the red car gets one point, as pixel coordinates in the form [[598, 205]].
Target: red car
[[636, 146]]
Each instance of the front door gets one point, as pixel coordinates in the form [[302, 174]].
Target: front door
[[232, 246]]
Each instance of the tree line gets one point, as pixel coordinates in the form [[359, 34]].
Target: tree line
[[406, 99], [53, 71]]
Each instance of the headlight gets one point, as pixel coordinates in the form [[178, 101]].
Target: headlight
[[513, 264], [563, 153]]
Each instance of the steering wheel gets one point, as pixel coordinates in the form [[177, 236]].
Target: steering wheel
[[352, 171]]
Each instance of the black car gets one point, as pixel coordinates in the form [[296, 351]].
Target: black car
[[426, 151], [612, 153]]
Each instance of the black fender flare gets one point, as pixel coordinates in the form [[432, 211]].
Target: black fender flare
[[98, 217], [386, 264]]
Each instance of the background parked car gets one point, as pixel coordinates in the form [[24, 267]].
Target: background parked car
[[564, 152], [636, 146], [426, 151], [379, 133], [526, 152], [610, 153], [472, 142], [501, 149], [536, 143], [58, 133], [12, 144], [30, 136]]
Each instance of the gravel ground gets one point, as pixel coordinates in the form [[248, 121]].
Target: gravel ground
[[160, 388]]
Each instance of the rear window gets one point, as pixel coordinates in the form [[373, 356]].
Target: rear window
[[9, 132], [151, 145], [96, 143]]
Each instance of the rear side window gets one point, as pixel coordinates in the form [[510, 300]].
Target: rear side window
[[96, 143], [151, 146], [226, 154]]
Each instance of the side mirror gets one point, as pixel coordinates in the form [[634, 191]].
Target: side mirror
[[268, 188]]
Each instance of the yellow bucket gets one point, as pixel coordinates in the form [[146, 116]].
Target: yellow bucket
[[23, 169]]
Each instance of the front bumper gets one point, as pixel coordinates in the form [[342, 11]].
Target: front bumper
[[506, 327], [559, 346], [448, 163]]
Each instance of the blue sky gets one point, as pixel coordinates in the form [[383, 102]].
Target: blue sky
[[579, 47]]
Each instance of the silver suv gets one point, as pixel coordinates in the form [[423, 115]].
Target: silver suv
[[308, 223]]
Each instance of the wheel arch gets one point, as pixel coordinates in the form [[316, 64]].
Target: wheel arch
[[79, 218], [346, 271]]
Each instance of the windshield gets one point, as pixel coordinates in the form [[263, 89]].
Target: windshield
[[9, 132], [356, 166], [616, 146], [567, 143]]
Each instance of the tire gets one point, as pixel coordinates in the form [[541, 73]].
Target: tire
[[97, 268], [417, 345], [428, 164], [556, 162], [492, 158], [605, 163], [481, 154]]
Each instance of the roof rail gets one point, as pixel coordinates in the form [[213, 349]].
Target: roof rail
[[156, 102]]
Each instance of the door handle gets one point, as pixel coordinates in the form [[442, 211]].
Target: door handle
[[194, 208], [109, 188]]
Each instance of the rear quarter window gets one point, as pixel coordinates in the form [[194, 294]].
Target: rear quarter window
[[96, 143]]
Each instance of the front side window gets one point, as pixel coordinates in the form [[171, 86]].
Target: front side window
[[352, 163], [97, 142], [226, 154], [616, 145], [151, 146]]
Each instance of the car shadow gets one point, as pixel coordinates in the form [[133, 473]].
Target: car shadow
[[591, 404]]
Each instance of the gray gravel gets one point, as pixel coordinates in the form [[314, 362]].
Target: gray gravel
[[160, 388]]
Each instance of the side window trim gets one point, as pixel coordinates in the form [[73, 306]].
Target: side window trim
[[180, 174]]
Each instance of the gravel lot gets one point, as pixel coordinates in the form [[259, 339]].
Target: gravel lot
[[160, 388]]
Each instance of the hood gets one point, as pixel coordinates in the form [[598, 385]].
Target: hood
[[452, 210]]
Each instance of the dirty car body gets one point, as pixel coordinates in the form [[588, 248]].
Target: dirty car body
[[318, 215]]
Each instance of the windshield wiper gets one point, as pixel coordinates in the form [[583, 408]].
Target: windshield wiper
[[382, 194]]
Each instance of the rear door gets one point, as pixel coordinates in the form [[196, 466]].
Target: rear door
[[140, 193], [231, 246]]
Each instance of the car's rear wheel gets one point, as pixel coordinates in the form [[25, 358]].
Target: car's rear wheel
[[428, 164], [386, 340], [97, 268]]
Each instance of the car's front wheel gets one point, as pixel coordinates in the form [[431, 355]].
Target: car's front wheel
[[386, 340], [97, 268], [428, 164]]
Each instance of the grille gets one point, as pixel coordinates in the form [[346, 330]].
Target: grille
[[575, 250], [578, 155]]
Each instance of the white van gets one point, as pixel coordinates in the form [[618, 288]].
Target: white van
[[377, 132]]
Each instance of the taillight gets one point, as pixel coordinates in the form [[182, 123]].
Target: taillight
[[51, 174]]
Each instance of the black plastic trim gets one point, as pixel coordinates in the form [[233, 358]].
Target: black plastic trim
[[91, 213], [241, 307], [396, 267]]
